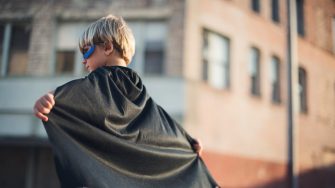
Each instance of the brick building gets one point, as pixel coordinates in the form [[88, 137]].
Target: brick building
[[38, 52], [218, 66], [236, 70]]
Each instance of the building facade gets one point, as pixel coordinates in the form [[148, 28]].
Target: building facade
[[236, 71], [218, 66], [39, 51]]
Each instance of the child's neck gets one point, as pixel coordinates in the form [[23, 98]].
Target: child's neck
[[116, 61]]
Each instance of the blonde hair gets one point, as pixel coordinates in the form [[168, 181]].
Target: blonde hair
[[110, 29]]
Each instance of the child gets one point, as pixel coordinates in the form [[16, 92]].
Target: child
[[106, 131]]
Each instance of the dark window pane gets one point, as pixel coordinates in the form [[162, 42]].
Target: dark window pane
[[205, 70], [300, 17], [205, 55], [275, 10], [303, 90], [18, 52], [275, 80], [255, 72], [255, 5], [2, 32], [154, 57], [65, 62], [255, 85], [226, 69]]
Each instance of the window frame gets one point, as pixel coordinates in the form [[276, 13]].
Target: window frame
[[225, 64], [275, 11], [300, 17], [78, 68], [255, 80], [140, 30], [6, 45], [255, 6], [303, 95], [275, 82]]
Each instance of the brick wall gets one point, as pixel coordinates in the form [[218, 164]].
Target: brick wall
[[232, 123], [318, 23], [317, 19], [42, 39]]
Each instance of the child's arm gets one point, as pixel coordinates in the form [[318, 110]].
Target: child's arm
[[44, 105]]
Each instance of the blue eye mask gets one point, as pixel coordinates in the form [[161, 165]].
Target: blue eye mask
[[89, 52]]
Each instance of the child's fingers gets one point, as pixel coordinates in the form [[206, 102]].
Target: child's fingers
[[50, 98], [40, 108], [47, 104], [41, 116], [43, 106]]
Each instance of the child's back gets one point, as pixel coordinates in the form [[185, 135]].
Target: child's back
[[106, 131]]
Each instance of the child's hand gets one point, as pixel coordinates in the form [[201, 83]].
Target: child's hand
[[197, 147], [44, 105]]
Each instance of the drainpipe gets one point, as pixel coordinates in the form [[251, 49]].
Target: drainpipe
[[292, 84]]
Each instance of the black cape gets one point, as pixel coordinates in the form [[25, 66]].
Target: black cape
[[106, 131]]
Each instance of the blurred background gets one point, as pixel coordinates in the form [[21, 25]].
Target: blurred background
[[219, 67]]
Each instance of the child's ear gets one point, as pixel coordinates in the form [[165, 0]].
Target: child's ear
[[109, 49]]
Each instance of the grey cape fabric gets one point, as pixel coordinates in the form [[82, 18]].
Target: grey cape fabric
[[106, 131]]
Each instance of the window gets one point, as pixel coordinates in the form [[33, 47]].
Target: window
[[65, 61], [255, 6], [150, 53], [300, 17], [275, 10], [254, 71], [275, 79], [216, 60], [18, 51], [154, 56], [154, 48], [67, 56], [2, 32], [14, 42], [303, 90]]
